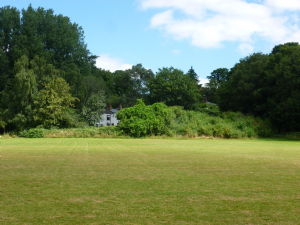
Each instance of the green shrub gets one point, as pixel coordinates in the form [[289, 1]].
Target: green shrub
[[160, 120], [209, 109], [88, 132], [71, 119], [228, 125], [293, 136], [34, 133], [141, 120]]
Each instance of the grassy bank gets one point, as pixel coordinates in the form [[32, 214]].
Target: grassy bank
[[166, 122], [145, 181]]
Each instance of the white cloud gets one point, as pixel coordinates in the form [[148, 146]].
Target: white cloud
[[208, 24], [245, 49], [176, 51], [203, 81], [111, 63], [281, 5]]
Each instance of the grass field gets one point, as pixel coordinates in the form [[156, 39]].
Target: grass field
[[149, 181]]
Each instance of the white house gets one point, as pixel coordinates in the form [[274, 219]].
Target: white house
[[109, 117]]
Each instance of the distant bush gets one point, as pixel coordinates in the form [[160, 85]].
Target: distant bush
[[293, 136], [160, 120], [34, 133], [261, 128], [157, 119], [210, 109], [141, 120], [71, 119], [227, 125], [89, 132]]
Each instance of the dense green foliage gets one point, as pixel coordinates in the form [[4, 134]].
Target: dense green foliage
[[157, 119], [89, 132], [266, 86], [45, 66], [40, 32], [2, 123], [277, 48], [132, 84], [279, 96], [18, 102], [39, 47], [219, 75], [173, 87], [228, 125], [237, 94], [34, 133], [193, 75], [94, 107], [142, 120], [52, 101]]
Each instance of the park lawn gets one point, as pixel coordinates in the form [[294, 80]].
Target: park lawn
[[149, 181]]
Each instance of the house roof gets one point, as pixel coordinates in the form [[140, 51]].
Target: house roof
[[106, 111], [211, 103], [113, 111]]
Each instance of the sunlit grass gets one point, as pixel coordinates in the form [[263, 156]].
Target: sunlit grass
[[149, 181]]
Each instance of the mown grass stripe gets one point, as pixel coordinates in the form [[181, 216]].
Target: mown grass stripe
[[150, 181]]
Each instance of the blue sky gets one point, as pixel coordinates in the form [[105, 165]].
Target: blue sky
[[180, 33]]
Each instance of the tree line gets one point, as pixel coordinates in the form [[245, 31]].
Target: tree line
[[48, 78], [262, 85]]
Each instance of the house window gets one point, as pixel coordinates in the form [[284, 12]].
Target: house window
[[108, 117], [112, 124]]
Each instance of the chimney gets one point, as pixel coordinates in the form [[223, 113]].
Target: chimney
[[120, 107], [110, 108]]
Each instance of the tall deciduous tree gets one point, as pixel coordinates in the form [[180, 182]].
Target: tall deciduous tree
[[53, 45], [266, 86], [9, 40], [94, 108], [41, 32], [43, 71], [141, 77], [237, 94], [52, 101], [92, 85], [210, 91], [277, 48], [18, 102], [132, 84], [219, 75], [279, 96], [174, 87], [2, 122]]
